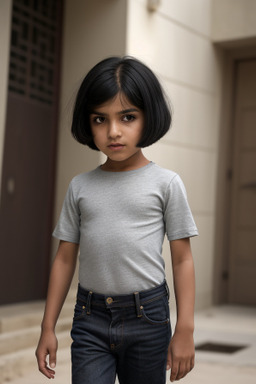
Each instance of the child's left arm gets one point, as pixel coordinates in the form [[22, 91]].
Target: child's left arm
[[181, 351]]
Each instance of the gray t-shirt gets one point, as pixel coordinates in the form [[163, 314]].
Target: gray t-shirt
[[120, 219]]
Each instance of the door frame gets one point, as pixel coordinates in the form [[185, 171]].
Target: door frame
[[224, 170]]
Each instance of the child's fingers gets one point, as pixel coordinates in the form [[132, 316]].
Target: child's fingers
[[182, 370], [47, 346], [43, 368], [52, 358], [174, 370], [169, 360]]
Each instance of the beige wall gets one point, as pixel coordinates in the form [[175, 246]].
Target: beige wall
[[5, 23], [176, 42], [233, 20]]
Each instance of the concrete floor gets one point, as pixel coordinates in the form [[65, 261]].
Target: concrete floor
[[226, 325]]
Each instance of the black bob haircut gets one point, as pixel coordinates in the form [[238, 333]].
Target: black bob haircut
[[125, 76]]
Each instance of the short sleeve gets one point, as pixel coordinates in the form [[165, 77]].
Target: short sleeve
[[68, 226], [179, 222]]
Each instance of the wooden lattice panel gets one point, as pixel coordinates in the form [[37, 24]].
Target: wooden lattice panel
[[33, 49]]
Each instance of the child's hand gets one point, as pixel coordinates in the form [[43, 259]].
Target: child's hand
[[181, 355], [47, 345]]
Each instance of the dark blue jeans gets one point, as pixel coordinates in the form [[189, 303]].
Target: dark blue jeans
[[126, 335]]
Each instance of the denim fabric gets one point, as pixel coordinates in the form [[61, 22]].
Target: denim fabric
[[126, 335]]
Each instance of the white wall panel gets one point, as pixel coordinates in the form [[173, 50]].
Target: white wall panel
[[233, 19], [171, 50], [192, 14], [196, 168], [195, 117]]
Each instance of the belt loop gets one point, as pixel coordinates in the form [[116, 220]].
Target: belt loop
[[88, 304], [167, 290], [137, 304]]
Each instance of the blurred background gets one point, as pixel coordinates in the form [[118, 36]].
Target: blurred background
[[204, 53]]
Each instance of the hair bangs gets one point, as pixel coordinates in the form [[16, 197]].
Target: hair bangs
[[129, 86], [103, 90]]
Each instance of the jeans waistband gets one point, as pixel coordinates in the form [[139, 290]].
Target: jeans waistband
[[136, 299]]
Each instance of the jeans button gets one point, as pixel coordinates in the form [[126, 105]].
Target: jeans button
[[109, 300]]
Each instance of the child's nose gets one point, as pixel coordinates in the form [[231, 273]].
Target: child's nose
[[114, 130]]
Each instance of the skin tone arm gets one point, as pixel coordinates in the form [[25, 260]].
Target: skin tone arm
[[60, 279], [181, 351]]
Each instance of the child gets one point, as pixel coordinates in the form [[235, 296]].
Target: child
[[118, 215]]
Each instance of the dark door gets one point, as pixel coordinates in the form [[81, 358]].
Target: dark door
[[29, 150], [242, 261]]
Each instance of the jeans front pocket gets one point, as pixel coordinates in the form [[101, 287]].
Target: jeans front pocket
[[156, 312]]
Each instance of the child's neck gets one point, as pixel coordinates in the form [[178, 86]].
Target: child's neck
[[134, 162]]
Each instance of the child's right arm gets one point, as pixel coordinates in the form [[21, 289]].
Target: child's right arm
[[62, 272]]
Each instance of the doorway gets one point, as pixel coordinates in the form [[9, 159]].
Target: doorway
[[242, 238], [27, 186]]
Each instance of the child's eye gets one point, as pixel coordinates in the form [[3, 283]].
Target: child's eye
[[99, 119], [128, 118]]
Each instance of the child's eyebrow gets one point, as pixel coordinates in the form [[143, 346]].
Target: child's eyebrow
[[123, 112]]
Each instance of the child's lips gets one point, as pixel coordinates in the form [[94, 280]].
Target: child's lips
[[116, 146]]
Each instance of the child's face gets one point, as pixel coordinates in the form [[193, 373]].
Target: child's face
[[116, 128]]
